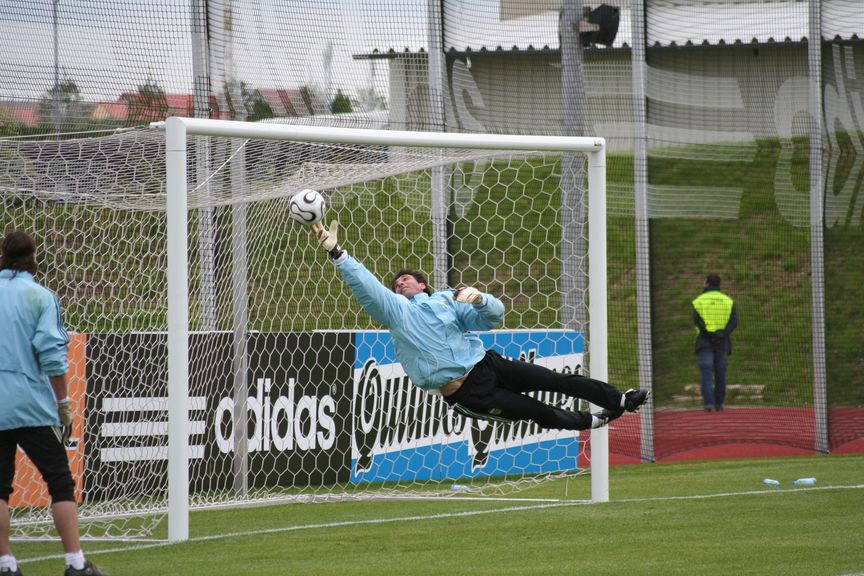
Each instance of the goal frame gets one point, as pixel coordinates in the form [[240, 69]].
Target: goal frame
[[177, 129]]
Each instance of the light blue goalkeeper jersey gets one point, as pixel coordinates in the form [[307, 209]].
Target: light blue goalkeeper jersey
[[430, 333], [33, 346]]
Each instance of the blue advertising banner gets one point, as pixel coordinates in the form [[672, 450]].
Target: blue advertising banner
[[400, 432]]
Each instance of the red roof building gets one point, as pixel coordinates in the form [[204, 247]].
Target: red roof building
[[24, 113]]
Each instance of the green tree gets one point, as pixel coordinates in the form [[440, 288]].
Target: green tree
[[148, 104], [310, 98], [256, 107], [341, 104], [61, 108], [9, 125]]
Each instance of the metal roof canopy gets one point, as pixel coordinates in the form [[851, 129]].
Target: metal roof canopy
[[669, 23]]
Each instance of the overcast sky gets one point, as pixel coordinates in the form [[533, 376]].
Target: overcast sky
[[111, 46]]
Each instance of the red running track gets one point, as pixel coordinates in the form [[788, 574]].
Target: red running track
[[734, 433]]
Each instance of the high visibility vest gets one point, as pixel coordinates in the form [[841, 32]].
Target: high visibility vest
[[715, 308]]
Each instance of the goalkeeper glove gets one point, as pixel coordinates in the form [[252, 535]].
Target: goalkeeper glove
[[67, 417], [469, 296], [327, 238]]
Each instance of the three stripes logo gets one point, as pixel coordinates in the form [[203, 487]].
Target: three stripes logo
[[135, 429]]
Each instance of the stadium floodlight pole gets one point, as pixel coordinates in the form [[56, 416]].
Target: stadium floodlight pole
[[176, 131]]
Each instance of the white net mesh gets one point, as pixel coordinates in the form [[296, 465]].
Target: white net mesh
[[279, 348]]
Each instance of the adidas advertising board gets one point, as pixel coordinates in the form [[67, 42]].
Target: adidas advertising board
[[402, 433], [297, 417]]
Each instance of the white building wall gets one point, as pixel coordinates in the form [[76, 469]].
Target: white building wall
[[731, 95]]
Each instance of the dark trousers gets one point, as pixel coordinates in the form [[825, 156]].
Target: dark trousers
[[712, 369], [495, 390], [45, 449]]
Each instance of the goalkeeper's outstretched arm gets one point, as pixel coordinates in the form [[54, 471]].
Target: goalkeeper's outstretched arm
[[378, 301]]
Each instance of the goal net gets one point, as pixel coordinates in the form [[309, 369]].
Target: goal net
[[216, 351]]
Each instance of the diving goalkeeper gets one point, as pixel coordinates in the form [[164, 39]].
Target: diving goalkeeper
[[433, 341]]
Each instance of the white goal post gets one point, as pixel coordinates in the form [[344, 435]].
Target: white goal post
[[177, 133]]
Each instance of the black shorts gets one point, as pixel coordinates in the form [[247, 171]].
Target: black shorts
[[44, 446]]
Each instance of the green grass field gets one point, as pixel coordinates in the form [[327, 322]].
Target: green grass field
[[679, 518]]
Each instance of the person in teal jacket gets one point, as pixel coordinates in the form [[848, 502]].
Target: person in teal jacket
[[433, 339], [33, 388], [715, 318]]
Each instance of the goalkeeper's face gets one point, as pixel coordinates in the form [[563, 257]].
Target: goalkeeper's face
[[408, 286]]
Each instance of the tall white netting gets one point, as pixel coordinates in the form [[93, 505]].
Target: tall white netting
[[279, 348]]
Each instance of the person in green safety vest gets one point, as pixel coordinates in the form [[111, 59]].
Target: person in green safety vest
[[715, 317]]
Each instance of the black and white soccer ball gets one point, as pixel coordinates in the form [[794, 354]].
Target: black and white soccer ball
[[307, 207]]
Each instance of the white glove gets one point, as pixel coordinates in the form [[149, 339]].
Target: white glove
[[469, 295], [67, 417], [326, 238]]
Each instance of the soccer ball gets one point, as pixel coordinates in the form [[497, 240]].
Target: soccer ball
[[307, 207]]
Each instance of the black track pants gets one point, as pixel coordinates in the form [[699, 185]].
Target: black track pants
[[495, 390]]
